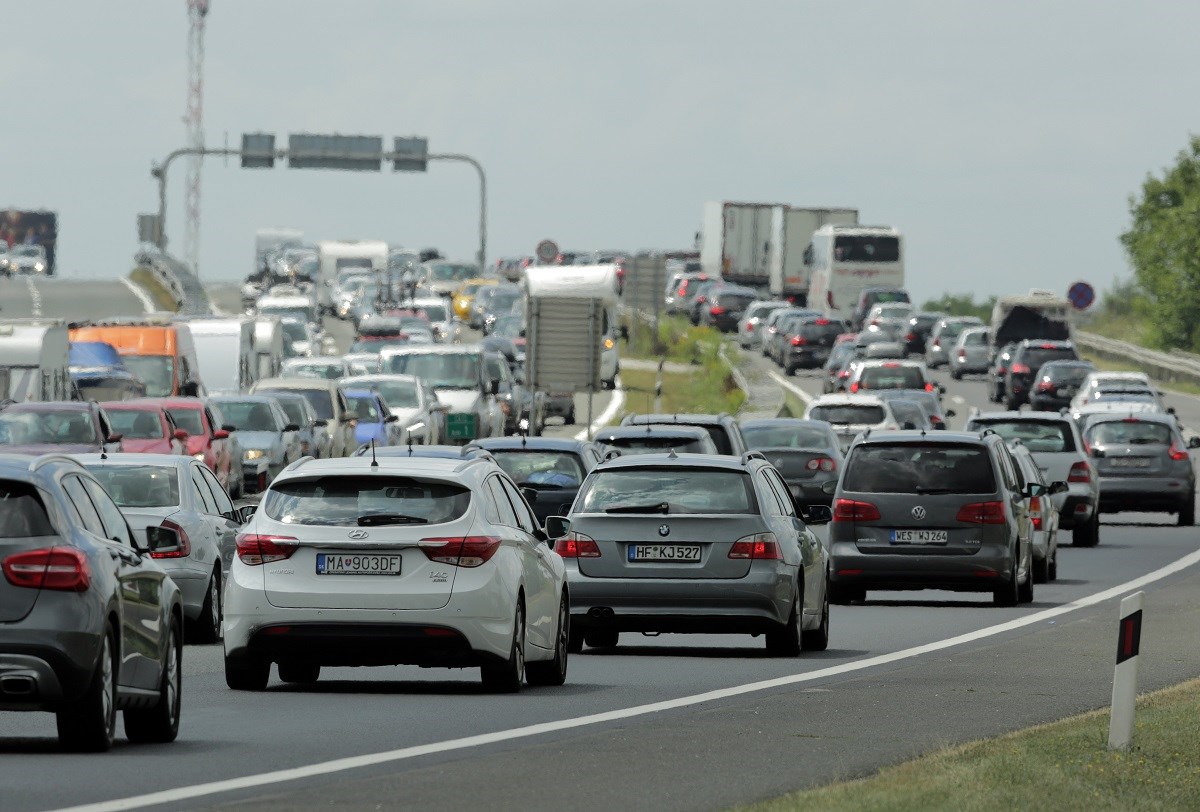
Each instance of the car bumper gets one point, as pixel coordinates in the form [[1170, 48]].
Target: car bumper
[[1074, 507], [192, 579], [984, 571], [42, 666], [810, 358], [1151, 494]]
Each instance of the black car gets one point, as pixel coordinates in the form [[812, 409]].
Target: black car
[[999, 371], [920, 325], [1027, 359], [1057, 383], [698, 298], [551, 467], [809, 341], [725, 307]]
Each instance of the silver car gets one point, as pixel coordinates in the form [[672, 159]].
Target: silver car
[[420, 414], [314, 441], [807, 454], [1144, 465], [1042, 515], [971, 353], [656, 438], [327, 401], [264, 433], [690, 543], [943, 336], [180, 494], [325, 367], [750, 327]]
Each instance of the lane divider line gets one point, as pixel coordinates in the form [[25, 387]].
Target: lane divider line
[[791, 387], [615, 404], [140, 293], [181, 794], [35, 298]]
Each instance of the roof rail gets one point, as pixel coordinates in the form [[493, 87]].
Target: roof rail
[[46, 459], [753, 455], [611, 454], [480, 456], [297, 463]]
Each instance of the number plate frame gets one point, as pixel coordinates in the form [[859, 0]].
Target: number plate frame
[[394, 561], [693, 553], [919, 536]]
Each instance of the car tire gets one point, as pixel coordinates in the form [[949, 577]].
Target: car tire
[[247, 673], [89, 724], [207, 627], [790, 370], [300, 673], [818, 639], [160, 724], [569, 420], [1041, 570], [554, 670], [842, 595], [1008, 594], [1187, 511], [1087, 535], [1025, 590], [784, 640], [602, 638], [575, 642], [506, 677]]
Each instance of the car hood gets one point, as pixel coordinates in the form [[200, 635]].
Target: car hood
[[258, 439], [405, 416], [459, 400]]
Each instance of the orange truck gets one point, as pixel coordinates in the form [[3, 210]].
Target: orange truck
[[161, 353]]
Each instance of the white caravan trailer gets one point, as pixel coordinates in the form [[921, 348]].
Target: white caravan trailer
[[34, 360]]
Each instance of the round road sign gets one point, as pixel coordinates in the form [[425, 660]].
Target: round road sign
[[1082, 295], [547, 251]]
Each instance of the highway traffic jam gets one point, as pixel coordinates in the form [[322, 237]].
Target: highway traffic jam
[[370, 465]]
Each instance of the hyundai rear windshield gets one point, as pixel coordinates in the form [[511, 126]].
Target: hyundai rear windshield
[[921, 469], [681, 490], [352, 501], [1037, 435], [22, 514]]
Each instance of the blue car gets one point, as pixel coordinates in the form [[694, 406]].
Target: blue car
[[375, 421], [99, 373]]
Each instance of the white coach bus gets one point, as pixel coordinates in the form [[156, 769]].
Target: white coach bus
[[846, 259]]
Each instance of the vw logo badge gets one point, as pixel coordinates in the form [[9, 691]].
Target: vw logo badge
[[918, 512], [358, 534], [664, 530]]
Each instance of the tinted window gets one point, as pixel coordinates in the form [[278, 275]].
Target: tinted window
[[1034, 435], [83, 506], [250, 415], [1034, 357], [22, 514], [848, 414], [560, 469], [866, 248], [657, 444], [1070, 375], [115, 527], [138, 486], [507, 516], [685, 490], [915, 468], [786, 437], [519, 507], [342, 501], [735, 301], [892, 377], [975, 339], [188, 420], [365, 407], [821, 331], [907, 411], [224, 504], [1129, 432]]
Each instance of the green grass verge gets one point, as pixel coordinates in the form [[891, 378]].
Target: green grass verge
[[708, 389], [676, 339], [144, 278], [1064, 765]]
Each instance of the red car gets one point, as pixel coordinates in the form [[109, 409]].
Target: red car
[[145, 427], [208, 439]]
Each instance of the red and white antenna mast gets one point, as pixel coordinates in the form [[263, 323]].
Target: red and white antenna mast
[[197, 12]]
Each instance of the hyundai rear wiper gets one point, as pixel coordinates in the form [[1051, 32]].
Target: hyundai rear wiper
[[381, 519], [661, 507]]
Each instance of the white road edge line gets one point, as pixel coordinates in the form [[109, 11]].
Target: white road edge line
[[35, 298], [791, 387], [140, 292], [615, 405], [180, 794]]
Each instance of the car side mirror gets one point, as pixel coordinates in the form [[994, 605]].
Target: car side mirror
[[180, 434], [163, 540], [1170, 410], [220, 434], [530, 494], [1193, 442], [229, 427], [291, 427], [1097, 452], [391, 418], [1035, 489], [493, 387], [908, 425], [557, 526], [1058, 487], [829, 488], [816, 514], [321, 422], [245, 513], [114, 438], [189, 389]]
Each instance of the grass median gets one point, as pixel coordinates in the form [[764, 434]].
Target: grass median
[[1064, 765], [706, 389]]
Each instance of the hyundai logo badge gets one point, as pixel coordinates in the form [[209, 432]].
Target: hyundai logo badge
[[918, 513], [664, 530], [358, 533]]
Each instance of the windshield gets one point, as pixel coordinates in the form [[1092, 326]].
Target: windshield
[[847, 415], [1129, 432], [342, 263], [891, 377], [1034, 357], [326, 370], [321, 400], [560, 469], [866, 248], [156, 371], [365, 407], [136, 424], [26, 251], [139, 486], [976, 338], [22, 514], [683, 490], [396, 394], [450, 272], [433, 312], [294, 411], [787, 437], [915, 468], [342, 501], [250, 415], [38, 428], [188, 419], [440, 370], [1067, 374], [1034, 435]]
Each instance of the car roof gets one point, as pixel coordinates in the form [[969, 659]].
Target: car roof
[[134, 405], [909, 436], [1117, 416], [365, 465], [1017, 417], [24, 466], [672, 419], [254, 398], [717, 461], [530, 444], [294, 383], [652, 430], [125, 458], [840, 399], [51, 406], [783, 422], [436, 349]]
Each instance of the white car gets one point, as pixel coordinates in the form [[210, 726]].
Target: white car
[[1112, 382], [851, 415], [400, 560]]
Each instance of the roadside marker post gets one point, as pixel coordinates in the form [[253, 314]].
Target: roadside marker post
[[1124, 693]]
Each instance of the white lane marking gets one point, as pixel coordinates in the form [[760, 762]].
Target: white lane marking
[[958, 400], [140, 293], [791, 387], [180, 794], [35, 298], [615, 403]]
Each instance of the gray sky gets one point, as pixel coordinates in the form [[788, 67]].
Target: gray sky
[[1002, 138]]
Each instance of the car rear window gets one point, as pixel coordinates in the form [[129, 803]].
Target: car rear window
[[655, 444], [1034, 357], [892, 377], [135, 424], [919, 468], [822, 331], [22, 514], [735, 301], [848, 415], [684, 490], [348, 501], [1036, 435], [794, 464], [1129, 432], [560, 469], [1068, 375], [139, 486], [188, 420], [786, 437], [974, 339]]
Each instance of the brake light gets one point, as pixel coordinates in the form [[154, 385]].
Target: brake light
[[1035, 512], [1177, 454], [682, 289], [874, 322], [821, 322], [749, 327], [798, 341], [929, 387], [909, 337], [851, 510], [962, 355], [461, 551], [61, 568], [845, 373], [1045, 386], [1047, 346], [701, 299], [758, 547], [936, 419], [716, 310], [577, 545], [937, 342], [820, 464], [185, 543], [854, 387], [981, 513], [1020, 369], [254, 549]]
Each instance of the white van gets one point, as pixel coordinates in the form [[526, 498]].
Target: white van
[[34, 360], [226, 354], [338, 256], [268, 347]]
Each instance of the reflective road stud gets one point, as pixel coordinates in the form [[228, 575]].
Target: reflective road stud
[[1124, 693]]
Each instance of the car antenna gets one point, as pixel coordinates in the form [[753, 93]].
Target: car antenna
[[375, 462], [672, 455], [103, 453]]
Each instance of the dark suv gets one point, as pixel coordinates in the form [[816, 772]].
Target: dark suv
[[808, 342], [725, 307], [942, 510], [91, 624], [724, 430], [1057, 382], [1027, 359]]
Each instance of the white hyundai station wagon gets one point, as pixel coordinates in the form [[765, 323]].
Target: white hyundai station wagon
[[422, 561]]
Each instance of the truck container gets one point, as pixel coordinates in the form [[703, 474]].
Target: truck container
[[1037, 314], [734, 241], [789, 260]]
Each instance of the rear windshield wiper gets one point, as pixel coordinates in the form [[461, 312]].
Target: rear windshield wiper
[[920, 489], [661, 507], [380, 519]]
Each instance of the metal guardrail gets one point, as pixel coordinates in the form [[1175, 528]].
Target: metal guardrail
[[178, 279], [1167, 367]]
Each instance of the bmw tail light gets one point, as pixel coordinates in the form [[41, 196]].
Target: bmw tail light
[[981, 513], [185, 544], [61, 568], [758, 547], [254, 549], [577, 545], [461, 551], [851, 510]]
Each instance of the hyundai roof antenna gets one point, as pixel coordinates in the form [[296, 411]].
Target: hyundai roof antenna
[[375, 462]]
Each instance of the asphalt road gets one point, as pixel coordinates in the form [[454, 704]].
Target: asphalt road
[[72, 299], [905, 672]]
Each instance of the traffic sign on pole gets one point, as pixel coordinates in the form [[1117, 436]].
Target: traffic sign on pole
[[1081, 295], [547, 251], [355, 152], [258, 150]]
